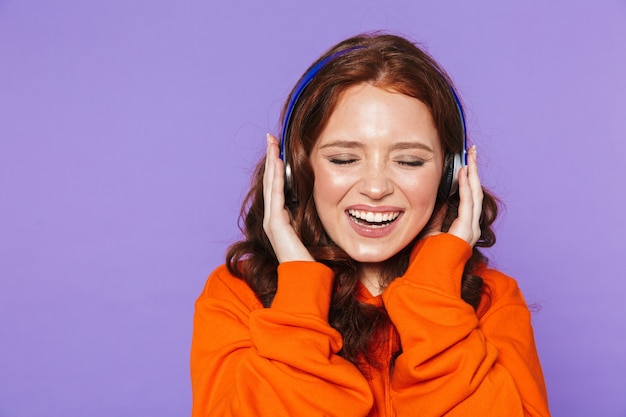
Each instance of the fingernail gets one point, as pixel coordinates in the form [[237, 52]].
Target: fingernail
[[268, 138]]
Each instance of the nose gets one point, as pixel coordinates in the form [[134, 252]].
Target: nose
[[376, 182]]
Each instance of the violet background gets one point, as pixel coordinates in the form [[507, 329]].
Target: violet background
[[128, 131]]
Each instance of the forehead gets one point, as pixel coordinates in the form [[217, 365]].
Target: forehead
[[372, 114]]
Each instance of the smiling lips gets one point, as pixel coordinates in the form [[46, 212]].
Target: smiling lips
[[373, 219]]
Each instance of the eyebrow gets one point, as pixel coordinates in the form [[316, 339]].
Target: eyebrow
[[395, 146], [412, 145]]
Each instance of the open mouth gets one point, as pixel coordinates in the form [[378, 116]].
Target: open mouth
[[371, 219]]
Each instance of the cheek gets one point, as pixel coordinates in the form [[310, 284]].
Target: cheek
[[329, 186], [423, 192]]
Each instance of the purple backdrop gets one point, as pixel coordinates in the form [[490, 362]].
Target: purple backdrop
[[128, 130]]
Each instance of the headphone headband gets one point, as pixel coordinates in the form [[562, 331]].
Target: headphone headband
[[459, 107], [457, 161], [301, 86]]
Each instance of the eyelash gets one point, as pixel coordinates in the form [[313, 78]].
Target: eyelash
[[338, 161], [412, 164]]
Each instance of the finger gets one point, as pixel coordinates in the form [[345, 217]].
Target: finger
[[472, 174], [476, 190], [268, 180], [278, 176], [268, 173], [465, 211], [276, 218], [278, 187]]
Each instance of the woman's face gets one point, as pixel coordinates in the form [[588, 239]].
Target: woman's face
[[377, 167]]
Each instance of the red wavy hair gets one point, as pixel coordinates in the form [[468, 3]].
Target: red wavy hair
[[385, 61]]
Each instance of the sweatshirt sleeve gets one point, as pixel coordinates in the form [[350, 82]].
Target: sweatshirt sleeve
[[454, 363], [250, 361]]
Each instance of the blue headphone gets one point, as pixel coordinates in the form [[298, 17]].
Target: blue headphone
[[449, 183]]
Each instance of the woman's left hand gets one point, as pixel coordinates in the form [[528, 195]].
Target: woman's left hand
[[467, 224]]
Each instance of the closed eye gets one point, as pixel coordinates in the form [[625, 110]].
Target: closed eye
[[342, 161], [416, 163]]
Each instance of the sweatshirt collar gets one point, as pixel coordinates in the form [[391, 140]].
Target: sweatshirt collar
[[364, 296]]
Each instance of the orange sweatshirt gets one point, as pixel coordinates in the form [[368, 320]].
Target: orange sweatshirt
[[250, 361]]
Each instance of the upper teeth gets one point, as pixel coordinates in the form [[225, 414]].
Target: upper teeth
[[374, 217]]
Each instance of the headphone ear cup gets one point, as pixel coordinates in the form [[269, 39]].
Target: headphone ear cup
[[450, 181], [457, 164], [290, 194]]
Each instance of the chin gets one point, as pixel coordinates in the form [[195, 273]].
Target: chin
[[373, 255]]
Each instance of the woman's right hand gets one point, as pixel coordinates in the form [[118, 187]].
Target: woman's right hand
[[276, 222]]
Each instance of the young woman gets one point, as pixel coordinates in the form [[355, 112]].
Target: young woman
[[358, 289]]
